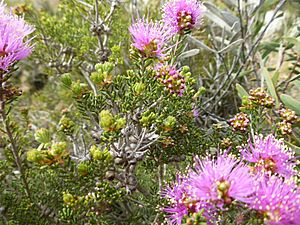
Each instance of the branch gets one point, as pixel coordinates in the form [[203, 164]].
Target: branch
[[14, 148]]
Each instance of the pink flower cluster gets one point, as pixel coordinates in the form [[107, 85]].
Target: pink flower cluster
[[179, 16], [170, 78], [152, 39], [13, 43], [214, 184], [269, 155], [277, 200]]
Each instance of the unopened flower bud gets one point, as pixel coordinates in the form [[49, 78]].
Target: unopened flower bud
[[83, 169], [240, 122], [78, 88], [185, 69], [147, 118], [200, 92], [120, 123], [139, 88], [68, 198], [97, 77], [34, 155], [95, 152], [169, 123], [66, 125], [43, 136], [288, 115], [58, 148], [106, 120]]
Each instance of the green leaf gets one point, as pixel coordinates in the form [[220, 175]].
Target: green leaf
[[297, 84], [245, 73], [189, 53], [293, 41], [199, 44], [241, 91], [291, 103], [231, 46], [270, 85], [275, 78], [215, 15]]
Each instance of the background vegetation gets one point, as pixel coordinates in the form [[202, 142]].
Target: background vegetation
[[239, 47]]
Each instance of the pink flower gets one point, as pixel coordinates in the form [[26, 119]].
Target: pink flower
[[183, 15], [150, 38], [181, 204], [176, 196], [277, 200], [269, 155], [13, 43], [221, 181]]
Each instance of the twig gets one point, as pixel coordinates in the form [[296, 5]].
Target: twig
[[14, 148], [91, 84], [141, 139], [97, 25]]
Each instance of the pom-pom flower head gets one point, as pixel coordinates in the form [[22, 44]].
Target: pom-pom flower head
[[221, 181], [183, 15], [182, 205], [270, 155], [177, 196], [150, 38], [277, 200], [13, 32]]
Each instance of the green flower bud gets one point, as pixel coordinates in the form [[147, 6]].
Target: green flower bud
[[83, 169], [95, 152], [170, 123], [185, 69], [108, 157], [58, 148], [77, 88], [108, 67], [120, 123], [188, 74], [106, 120], [66, 125], [34, 155], [147, 120], [115, 55], [66, 80], [98, 67], [105, 67], [139, 88], [103, 155], [245, 100], [97, 77], [43, 136], [68, 198], [200, 92]]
